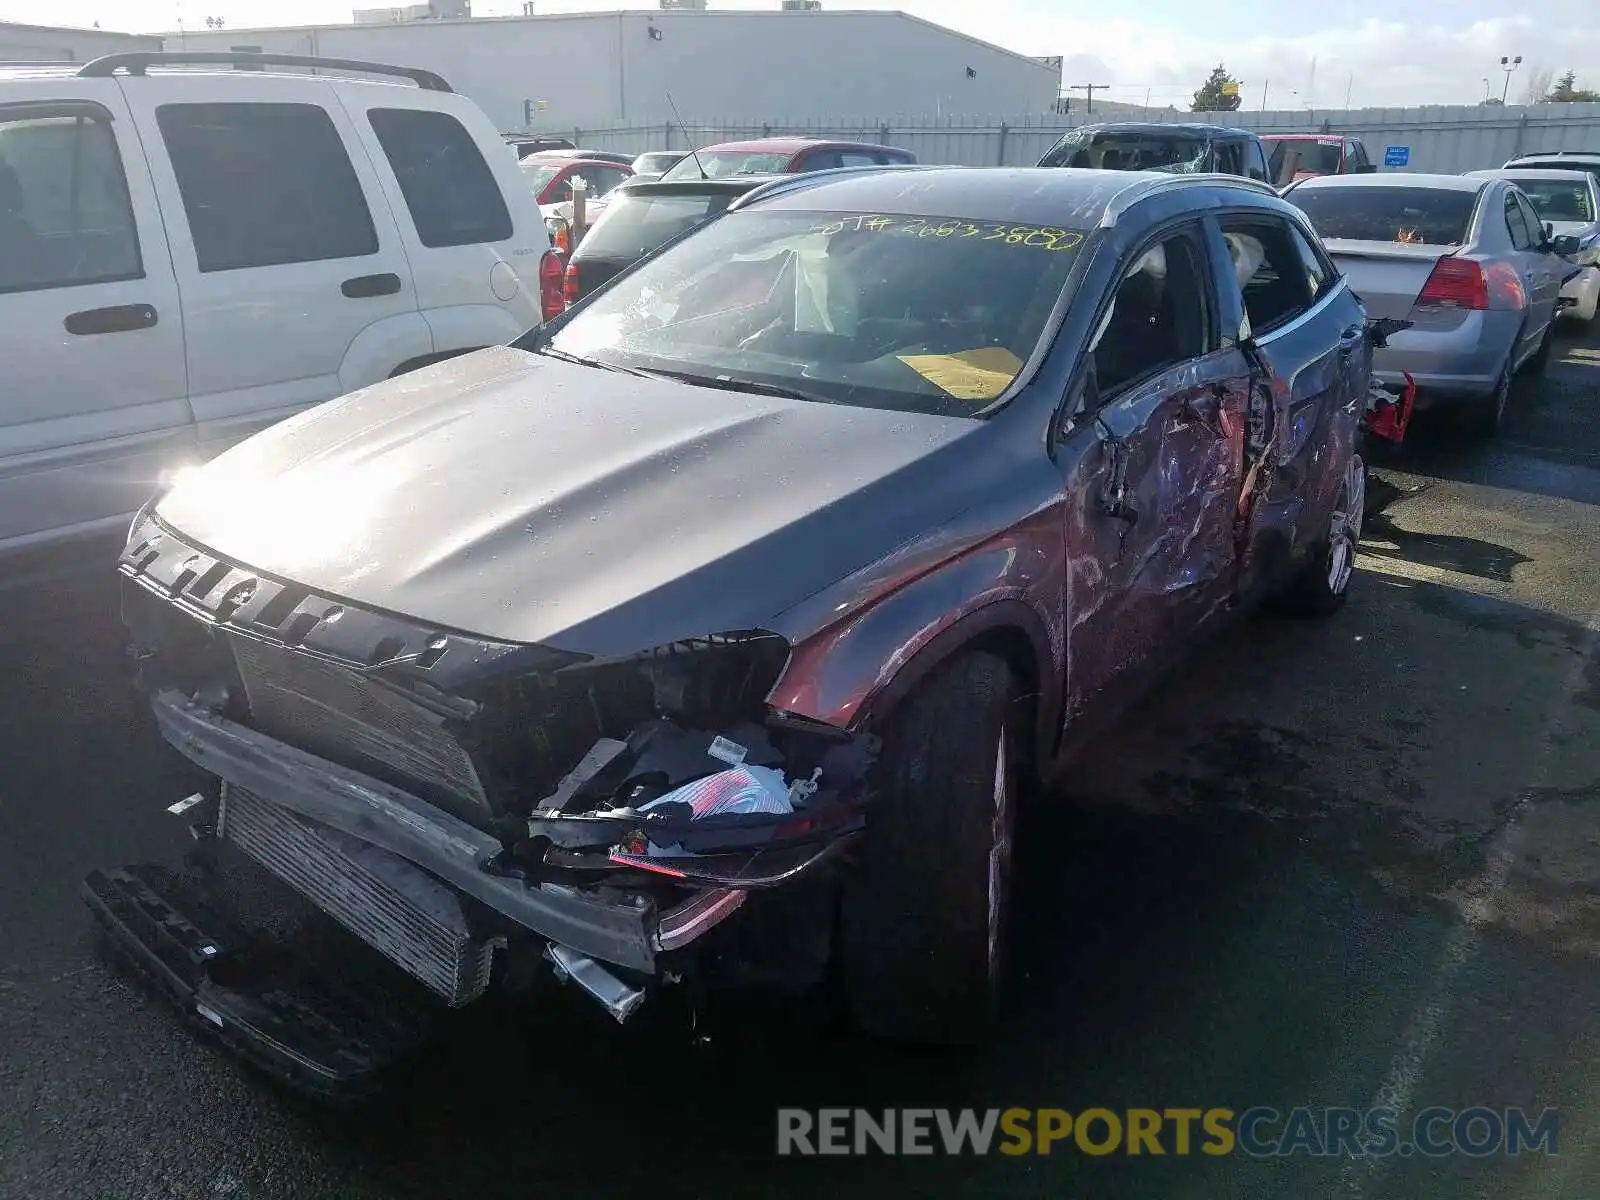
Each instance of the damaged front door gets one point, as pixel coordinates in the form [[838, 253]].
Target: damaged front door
[[1156, 475]]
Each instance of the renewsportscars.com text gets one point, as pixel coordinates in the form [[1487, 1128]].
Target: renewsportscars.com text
[[1260, 1132]]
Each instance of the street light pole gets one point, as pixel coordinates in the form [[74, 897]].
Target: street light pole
[[1509, 66]]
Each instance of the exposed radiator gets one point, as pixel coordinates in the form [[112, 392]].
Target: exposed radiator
[[393, 906], [363, 723]]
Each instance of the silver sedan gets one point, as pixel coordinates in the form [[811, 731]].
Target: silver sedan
[[1465, 259], [1568, 202]]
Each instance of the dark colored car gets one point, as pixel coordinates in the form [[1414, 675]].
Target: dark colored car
[[1292, 157], [1173, 147], [641, 216], [534, 143], [708, 632], [783, 156]]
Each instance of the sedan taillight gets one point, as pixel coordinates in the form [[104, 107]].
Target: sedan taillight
[[1455, 283]]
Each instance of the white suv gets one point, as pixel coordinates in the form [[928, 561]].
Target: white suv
[[187, 256]]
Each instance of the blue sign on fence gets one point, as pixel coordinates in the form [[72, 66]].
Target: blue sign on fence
[[1396, 156]]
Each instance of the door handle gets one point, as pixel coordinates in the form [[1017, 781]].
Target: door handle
[[118, 318], [363, 286]]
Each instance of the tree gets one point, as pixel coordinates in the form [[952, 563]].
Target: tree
[[1567, 91], [1219, 93]]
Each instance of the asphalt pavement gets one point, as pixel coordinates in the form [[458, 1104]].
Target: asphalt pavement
[[1349, 863]]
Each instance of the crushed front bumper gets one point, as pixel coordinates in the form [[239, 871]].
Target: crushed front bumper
[[463, 856]]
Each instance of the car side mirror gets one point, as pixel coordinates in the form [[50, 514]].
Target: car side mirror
[[1566, 245]]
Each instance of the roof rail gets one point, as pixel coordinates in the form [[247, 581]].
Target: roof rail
[[137, 62], [1147, 186]]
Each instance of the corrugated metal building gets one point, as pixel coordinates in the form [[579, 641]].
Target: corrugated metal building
[[43, 43], [568, 71]]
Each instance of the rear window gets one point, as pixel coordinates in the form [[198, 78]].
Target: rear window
[[1555, 200], [646, 163], [539, 175], [1415, 216], [1131, 151], [725, 164], [633, 224], [1296, 159], [451, 193]]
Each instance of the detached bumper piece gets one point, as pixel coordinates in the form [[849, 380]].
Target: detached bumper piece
[[279, 1014], [1389, 415]]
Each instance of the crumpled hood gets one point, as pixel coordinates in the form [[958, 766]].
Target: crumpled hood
[[521, 498]]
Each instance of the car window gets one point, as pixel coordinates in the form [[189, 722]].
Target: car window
[[635, 223], [817, 160], [539, 176], [725, 164], [1255, 161], [1531, 218], [65, 219], [1412, 215], [1559, 200], [451, 193], [265, 184], [600, 180], [1516, 224], [872, 309], [1130, 150], [1160, 315], [1229, 157], [858, 159], [1271, 274], [1319, 271]]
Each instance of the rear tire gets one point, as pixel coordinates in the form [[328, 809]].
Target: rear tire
[[1541, 356], [1323, 587], [923, 914], [1486, 413]]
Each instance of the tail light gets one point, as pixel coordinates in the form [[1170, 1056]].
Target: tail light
[[570, 285], [1462, 283], [1456, 283], [552, 273]]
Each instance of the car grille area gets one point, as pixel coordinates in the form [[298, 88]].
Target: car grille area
[[395, 907], [360, 722]]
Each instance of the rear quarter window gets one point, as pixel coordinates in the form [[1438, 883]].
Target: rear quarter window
[[1414, 216], [449, 190]]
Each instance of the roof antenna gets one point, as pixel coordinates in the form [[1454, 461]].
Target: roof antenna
[[683, 129]]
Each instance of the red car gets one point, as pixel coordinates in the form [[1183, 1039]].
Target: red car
[[551, 176], [783, 156]]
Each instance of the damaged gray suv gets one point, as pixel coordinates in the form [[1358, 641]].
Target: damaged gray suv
[[708, 633]]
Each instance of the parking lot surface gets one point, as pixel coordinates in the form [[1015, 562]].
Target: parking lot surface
[[1347, 863]]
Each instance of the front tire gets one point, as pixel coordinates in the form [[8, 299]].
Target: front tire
[[923, 914]]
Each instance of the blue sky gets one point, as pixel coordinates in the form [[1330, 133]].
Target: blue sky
[[1381, 52]]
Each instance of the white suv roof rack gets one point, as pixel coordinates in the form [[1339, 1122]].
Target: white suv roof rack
[[138, 62]]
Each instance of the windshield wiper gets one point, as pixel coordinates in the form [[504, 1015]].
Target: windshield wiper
[[564, 356], [727, 383]]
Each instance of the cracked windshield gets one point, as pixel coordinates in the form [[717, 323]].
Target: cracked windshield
[[993, 602]]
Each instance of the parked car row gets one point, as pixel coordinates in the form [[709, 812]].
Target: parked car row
[[706, 629]]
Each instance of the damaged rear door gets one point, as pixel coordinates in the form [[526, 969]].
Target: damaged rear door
[[1305, 334], [1154, 471]]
